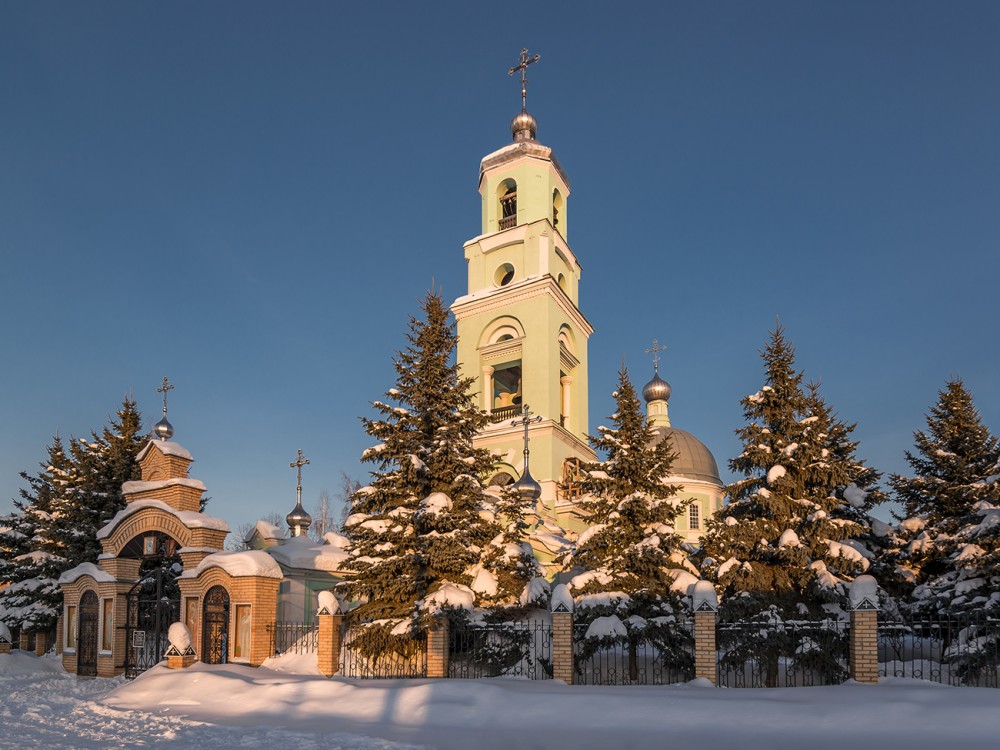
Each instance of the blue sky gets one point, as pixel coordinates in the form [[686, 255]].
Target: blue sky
[[251, 197]]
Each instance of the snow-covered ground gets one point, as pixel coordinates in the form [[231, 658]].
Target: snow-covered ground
[[239, 707]]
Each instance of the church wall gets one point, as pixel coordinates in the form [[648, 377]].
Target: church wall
[[536, 180]]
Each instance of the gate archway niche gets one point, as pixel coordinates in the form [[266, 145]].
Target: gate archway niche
[[86, 657], [215, 626]]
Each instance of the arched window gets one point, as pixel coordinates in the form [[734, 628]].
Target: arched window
[[507, 194], [557, 209]]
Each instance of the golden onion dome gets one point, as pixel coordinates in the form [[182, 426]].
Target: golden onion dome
[[524, 127]]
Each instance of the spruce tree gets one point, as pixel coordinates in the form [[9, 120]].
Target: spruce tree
[[33, 600], [630, 555], [949, 537], [77, 491], [794, 532], [416, 529]]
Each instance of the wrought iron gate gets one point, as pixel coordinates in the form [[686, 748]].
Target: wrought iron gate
[[215, 627], [86, 642], [150, 607]]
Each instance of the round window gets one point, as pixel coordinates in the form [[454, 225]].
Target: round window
[[504, 275]]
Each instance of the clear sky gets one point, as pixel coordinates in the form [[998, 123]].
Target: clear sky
[[251, 197]]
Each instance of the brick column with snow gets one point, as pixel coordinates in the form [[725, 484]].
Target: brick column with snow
[[5, 643], [562, 634], [180, 654], [331, 623], [705, 604], [863, 594]]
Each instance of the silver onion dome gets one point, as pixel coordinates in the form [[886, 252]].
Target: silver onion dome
[[298, 520], [527, 487], [524, 127], [163, 429], [656, 389]]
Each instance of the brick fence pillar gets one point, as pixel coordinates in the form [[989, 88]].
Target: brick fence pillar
[[41, 643], [562, 634], [705, 603], [328, 651], [437, 649], [864, 630], [705, 651], [5, 644], [24, 639]]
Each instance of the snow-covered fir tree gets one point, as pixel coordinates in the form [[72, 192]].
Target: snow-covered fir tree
[[77, 491], [420, 528], [631, 579], [794, 532], [33, 599], [950, 536], [101, 465]]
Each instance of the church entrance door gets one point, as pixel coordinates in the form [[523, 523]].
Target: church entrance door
[[86, 645], [151, 605], [215, 627]]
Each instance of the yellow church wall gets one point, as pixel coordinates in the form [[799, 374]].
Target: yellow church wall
[[536, 182]]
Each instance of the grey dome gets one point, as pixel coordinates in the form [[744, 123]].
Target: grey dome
[[694, 460], [656, 389], [163, 429], [527, 487], [298, 517]]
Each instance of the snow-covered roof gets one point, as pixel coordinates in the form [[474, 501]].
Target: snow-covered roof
[[266, 530], [303, 553], [86, 569], [190, 518], [337, 540], [132, 487], [239, 565], [167, 448]]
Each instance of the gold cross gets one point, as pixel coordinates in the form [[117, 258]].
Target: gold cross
[[525, 61], [163, 389]]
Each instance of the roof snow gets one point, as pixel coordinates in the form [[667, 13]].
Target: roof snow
[[86, 569], [191, 519], [266, 530], [303, 553], [561, 598], [167, 448], [132, 487], [239, 565], [337, 540]]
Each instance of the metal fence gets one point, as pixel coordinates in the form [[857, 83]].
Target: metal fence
[[633, 660], [398, 658], [783, 653], [293, 638], [507, 649], [953, 650]]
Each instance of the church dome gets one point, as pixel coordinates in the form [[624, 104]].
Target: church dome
[[656, 389], [694, 460], [524, 127], [298, 519]]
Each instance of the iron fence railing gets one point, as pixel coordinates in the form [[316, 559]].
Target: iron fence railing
[[293, 638], [506, 649], [393, 658], [665, 659], [961, 649], [783, 653]]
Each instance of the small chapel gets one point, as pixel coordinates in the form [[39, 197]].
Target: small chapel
[[521, 335]]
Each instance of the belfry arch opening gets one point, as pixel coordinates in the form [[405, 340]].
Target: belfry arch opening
[[507, 196], [558, 217]]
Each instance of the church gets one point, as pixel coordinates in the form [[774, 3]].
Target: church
[[521, 335]]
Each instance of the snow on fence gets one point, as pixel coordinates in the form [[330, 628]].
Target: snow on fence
[[504, 649], [293, 638], [953, 650], [783, 653], [633, 660]]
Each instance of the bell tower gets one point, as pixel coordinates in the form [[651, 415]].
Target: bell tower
[[520, 330]]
